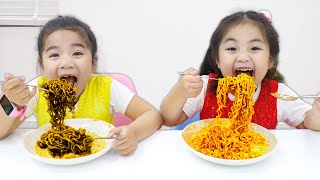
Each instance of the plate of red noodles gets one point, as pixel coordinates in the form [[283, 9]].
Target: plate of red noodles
[[215, 141]]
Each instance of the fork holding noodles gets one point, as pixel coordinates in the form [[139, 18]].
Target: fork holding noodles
[[63, 141], [231, 138]]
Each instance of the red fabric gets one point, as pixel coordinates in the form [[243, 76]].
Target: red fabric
[[265, 107]]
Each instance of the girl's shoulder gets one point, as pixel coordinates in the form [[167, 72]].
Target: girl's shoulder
[[100, 79]]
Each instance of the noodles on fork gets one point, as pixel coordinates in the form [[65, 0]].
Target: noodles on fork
[[61, 139]]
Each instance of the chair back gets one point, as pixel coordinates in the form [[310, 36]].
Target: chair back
[[121, 119]]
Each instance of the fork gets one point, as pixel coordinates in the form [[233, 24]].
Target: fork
[[113, 137], [286, 97], [2, 82], [202, 76]]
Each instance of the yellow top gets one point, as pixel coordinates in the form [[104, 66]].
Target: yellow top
[[94, 102]]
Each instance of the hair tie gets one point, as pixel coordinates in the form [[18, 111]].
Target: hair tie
[[266, 14]]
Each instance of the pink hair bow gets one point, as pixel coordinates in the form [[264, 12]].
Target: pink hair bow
[[266, 14]]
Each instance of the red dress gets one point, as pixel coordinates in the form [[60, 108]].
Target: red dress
[[265, 107]]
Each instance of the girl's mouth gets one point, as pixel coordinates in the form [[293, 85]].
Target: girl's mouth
[[248, 71], [72, 79]]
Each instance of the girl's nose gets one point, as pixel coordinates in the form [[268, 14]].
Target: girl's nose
[[67, 63], [243, 57]]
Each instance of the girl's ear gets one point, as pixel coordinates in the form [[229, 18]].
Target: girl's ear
[[94, 64], [218, 64], [40, 65], [271, 63]]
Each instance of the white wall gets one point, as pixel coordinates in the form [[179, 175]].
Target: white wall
[[150, 40]]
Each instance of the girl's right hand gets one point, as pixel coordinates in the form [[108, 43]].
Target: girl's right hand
[[190, 84], [16, 90]]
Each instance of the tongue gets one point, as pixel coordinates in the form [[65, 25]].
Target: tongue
[[249, 73], [71, 79]]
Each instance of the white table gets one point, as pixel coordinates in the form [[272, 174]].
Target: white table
[[164, 156]]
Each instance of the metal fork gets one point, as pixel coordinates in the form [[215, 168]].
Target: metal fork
[[202, 76], [113, 137], [286, 97], [2, 82]]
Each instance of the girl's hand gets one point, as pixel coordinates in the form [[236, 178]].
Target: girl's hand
[[316, 103], [190, 85], [16, 90], [128, 142], [316, 106], [311, 119]]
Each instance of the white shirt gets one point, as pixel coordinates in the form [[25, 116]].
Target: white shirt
[[291, 112], [120, 98]]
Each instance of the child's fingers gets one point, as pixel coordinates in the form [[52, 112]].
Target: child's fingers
[[190, 79], [122, 140], [128, 151], [13, 82], [121, 144], [113, 132], [8, 76], [317, 103], [196, 85], [191, 71], [194, 79], [33, 92]]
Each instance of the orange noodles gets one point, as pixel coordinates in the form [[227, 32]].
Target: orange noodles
[[242, 108], [231, 138], [61, 140]]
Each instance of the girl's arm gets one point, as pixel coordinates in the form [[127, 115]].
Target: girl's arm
[[146, 121], [7, 124], [188, 86], [18, 93], [172, 107], [147, 118]]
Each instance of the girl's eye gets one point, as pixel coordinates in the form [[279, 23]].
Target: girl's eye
[[77, 54], [232, 49], [55, 55], [255, 48]]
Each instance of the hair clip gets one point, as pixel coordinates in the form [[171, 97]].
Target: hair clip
[[266, 14]]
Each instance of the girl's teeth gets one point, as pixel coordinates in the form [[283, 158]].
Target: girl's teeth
[[245, 69]]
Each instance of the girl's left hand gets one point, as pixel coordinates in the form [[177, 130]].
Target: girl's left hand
[[316, 103], [128, 142]]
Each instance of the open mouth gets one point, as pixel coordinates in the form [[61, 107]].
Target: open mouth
[[72, 79], [248, 71]]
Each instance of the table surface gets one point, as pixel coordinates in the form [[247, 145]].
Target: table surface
[[164, 155]]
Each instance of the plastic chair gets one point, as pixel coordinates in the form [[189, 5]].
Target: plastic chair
[[121, 119], [196, 117]]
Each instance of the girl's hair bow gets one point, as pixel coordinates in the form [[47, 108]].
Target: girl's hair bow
[[266, 14]]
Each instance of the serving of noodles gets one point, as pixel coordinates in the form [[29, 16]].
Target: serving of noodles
[[62, 141], [231, 138]]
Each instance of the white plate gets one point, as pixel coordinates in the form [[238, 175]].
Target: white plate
[[196, 126], [98, 127]]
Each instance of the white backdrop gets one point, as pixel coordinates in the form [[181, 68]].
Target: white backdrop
[[150, 40]]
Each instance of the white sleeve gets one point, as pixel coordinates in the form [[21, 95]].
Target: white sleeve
[[120, 96], [194, 105], [291, 112], [32, 104]]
